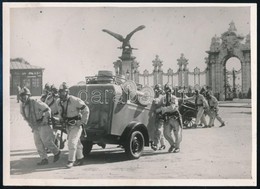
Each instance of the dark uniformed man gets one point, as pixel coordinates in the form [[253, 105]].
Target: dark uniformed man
[[37, 114], [213, 110], [74, 113], [172, 118]]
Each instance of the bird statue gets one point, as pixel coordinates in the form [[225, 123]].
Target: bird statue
[[125, 41]]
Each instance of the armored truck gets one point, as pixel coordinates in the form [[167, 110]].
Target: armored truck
[[121, 113]]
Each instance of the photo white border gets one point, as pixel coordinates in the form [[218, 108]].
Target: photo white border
[[7, 181]]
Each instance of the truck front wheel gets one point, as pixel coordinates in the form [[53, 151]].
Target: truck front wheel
[[87, 147], [134, 145]]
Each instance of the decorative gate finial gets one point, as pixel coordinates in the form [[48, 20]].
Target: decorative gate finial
[[182, 61], [157, 63]]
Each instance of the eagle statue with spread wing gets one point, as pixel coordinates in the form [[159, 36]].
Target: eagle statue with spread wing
[[125, 41]]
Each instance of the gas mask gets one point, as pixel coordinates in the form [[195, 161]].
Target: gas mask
[[63, 95]]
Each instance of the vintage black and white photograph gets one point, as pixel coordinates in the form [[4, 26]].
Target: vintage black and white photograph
[[129, 94]]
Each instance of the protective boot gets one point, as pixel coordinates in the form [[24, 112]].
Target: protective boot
[[43, 162], [69, 164], [79, 162]]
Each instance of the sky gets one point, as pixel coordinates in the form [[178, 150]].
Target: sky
[[69, 44]]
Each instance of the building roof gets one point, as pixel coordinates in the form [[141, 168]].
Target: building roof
[[15, 65]]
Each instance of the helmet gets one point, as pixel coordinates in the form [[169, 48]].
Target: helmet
[[47, 87], [202, 90], [196, 91], [63, 91], [25, 91], [167, 88], [64, 87], [157, 87], [54, 89], [208, 94]]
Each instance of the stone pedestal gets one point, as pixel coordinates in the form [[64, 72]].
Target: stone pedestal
[[127, 68]]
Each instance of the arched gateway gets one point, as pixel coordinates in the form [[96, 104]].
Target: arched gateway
[[221, 50]]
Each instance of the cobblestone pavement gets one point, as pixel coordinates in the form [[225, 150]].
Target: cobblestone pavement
[[212, 153]]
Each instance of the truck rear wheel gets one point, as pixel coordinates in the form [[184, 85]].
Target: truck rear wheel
[[87, 147], [134, 145]]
